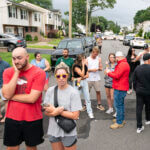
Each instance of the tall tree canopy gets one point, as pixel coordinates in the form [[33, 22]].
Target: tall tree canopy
[[42, 3], [142, 15], [79, 9]]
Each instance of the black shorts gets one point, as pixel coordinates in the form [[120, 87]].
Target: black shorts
[[109, 87], [15, 132]]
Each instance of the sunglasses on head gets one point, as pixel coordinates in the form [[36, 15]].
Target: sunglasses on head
[[61, 75]]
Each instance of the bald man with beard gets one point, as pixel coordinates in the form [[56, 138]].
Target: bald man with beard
[[23, 86]]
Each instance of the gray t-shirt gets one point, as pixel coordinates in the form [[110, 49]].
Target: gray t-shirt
[[69, 98]]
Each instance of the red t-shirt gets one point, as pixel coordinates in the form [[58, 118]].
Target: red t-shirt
[[33, 78]]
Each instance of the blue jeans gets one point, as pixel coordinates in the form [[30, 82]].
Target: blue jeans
[[119, 105], [85, 91]]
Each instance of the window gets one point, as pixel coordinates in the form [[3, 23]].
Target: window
[[23, 14], [9, 11], [12, 12], [26, 29], [50, 15], [33, 29], [35, 17]]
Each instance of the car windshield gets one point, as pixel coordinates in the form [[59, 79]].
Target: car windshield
[[89, 40], [129, 37], [74, 44], [139, 39], [62, 45]]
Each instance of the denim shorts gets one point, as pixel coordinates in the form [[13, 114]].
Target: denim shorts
[[67, 141]]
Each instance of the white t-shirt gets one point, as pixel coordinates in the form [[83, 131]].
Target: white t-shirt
[[93, 64]]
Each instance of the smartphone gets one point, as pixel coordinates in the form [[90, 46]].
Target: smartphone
[[45, 105]]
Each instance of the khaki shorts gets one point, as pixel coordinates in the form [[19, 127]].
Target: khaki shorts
[[95, 84]]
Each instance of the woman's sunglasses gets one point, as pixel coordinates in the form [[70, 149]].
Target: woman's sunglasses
[[64, 76]]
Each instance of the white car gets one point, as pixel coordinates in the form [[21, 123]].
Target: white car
[[137, 42], [120, 37]]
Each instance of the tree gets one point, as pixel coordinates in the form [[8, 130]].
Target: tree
[[142, 15], [79, 9], [47, 4]]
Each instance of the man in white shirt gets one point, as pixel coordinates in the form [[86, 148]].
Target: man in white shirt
[[94, 67]]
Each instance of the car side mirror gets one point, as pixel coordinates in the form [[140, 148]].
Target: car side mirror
[[54, 47]]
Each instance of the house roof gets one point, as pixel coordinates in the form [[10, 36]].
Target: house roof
[[20, 5]]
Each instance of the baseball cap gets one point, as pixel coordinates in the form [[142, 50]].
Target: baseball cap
[[119, 53], [146, 56]]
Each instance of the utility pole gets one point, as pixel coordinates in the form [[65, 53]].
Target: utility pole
[[70, 19], [87, 17]]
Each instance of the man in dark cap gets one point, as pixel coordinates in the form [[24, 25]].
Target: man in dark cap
[[141, 84]]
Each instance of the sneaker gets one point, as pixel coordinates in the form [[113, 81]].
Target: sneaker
[[147, 122], [83, 108], [116, 126], [114, 115], [100, 107], [139, 130], [114, 121], [109, 111], [91, 116]]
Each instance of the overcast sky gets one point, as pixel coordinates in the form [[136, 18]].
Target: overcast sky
[[122, 13]]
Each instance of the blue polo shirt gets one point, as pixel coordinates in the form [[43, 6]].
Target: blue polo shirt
[[3, 66]]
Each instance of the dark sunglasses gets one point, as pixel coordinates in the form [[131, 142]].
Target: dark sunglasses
[[58, 76]]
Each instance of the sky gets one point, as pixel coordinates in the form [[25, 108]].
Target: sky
[[122, 13]]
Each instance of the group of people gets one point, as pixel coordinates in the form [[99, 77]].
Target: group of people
[[26, 81]]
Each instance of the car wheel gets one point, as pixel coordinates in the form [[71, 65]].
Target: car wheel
[[11, 47]]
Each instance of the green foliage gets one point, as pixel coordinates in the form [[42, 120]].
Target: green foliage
[[147, 35], [79, 9], [142, 15], [140, 33], [28, 37], [36, 38], [47, 4]]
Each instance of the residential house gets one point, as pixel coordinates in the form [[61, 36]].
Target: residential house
[[145, 26], [19, 19], [51, 18]]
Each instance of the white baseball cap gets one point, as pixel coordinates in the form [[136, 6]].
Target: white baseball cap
[[119, 53]]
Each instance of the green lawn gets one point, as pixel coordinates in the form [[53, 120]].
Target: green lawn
[[7, 57], [40, 46], [54, 41]]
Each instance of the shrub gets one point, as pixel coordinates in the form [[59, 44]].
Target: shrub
[[36, 38], [28, 37], [52, 34]]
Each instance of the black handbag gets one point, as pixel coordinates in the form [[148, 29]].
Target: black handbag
[[64, 123]]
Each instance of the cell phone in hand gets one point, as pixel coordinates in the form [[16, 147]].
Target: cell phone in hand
[[45, 105]]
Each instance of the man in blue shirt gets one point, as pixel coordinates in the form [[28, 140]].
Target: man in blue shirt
[[3, 66]]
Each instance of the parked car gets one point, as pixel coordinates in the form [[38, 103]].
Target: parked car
[[137, 42], [127, 39], [109, 37], [90, 42], [120, 37], [11, 41], [75, 46]]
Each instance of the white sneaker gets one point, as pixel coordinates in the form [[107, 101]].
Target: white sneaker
[[139, 130], [147, 122], [109, 111], [114, 115], [91, 116]]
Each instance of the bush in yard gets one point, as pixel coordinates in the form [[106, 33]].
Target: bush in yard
[[36, 38], [28, 37]]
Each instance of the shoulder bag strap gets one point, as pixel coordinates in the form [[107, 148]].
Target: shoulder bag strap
[[55, 96]]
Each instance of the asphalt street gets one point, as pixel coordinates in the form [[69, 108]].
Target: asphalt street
[[95, 134]]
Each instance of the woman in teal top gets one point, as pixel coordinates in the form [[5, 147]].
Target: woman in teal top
[[43, 64]]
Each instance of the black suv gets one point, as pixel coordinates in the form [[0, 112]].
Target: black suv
[[76, 46], [11, 41]]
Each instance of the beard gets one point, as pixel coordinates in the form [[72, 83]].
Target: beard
[[22, 66]]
